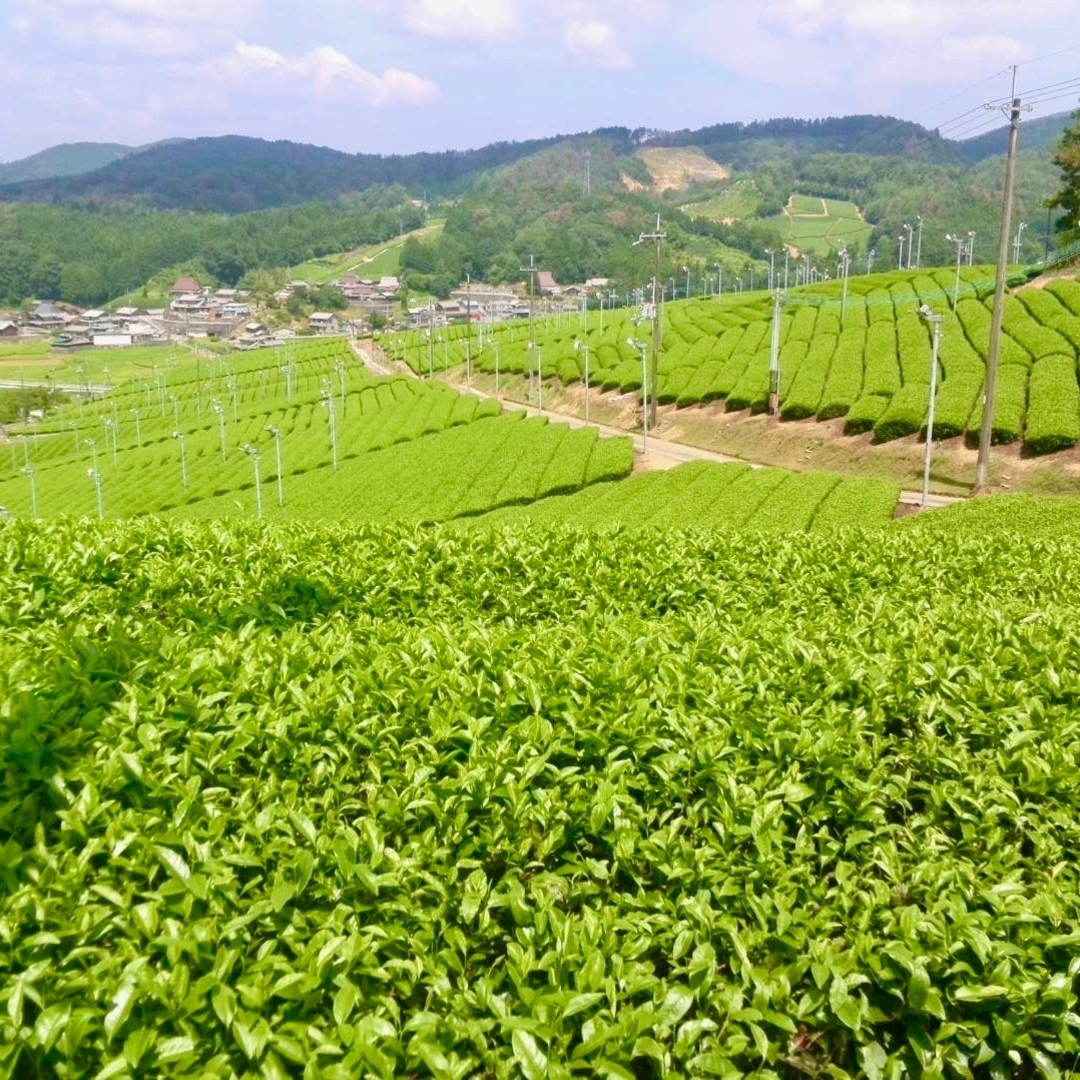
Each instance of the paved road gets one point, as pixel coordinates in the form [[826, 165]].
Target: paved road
[[661, 453]]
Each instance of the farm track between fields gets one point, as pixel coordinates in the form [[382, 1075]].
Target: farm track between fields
[[662, 453]]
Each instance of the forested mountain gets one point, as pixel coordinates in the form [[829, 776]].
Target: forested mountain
[[68, 159], [746, 146], [240, 204], [1039, 136], [88, 257], [235, 174]]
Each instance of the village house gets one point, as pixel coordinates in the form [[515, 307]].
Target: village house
[[143, 333], [47, 315], [8, 329], [254, 335], [546, 283], [184, 286], [323, 322], [189, 302]]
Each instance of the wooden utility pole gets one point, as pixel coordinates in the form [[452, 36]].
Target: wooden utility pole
[[531, 270], [982, 467]]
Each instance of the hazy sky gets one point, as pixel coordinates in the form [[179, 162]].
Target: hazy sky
[[404, 75]]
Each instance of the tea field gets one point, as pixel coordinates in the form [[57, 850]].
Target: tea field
[[327, 801], [324, 438], [865, 358], [708, 495]]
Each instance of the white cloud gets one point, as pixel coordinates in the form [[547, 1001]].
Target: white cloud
[[147, 27], [595, 42], [866, 42], [474, 20], [327, 72]]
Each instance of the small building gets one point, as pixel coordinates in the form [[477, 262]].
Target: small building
[[67, 342], [112, 341], [323, 322], [128, 313], [234, 309], [388, 285], [93, 315], [189, 302], [546, 283], [254, 336], [8, 329], [186, 285], [143, 332], [47, 314]]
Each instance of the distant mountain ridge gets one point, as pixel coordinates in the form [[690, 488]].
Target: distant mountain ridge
[[66, 159], [235, 174]]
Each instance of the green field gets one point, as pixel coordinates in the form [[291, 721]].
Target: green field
[[373, 262], [38, 362], [822, 226], [388, 449], [739, 201], [340, 801], [707, 495], [865, 358]]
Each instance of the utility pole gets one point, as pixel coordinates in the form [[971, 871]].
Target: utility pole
[[657, 237], [935, 322], [774, 355], [532, 271], [959, 242], [468, 324], [1016, 243], [982, 467], [918, 246], [588, 173], [431, 340], [845, 264]]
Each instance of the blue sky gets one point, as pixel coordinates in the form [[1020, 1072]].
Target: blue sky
[[404, 75]]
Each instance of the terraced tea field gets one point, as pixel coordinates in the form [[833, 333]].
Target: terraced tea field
[[325, 440], [822, 226], [865, 357]]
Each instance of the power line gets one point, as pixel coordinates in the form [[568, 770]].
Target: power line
[[975, 110], [1048, 56], [985, 124], [1070, 94]]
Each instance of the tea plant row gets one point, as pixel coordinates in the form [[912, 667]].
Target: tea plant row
[[713, 496], [542, 802], [865, 357]]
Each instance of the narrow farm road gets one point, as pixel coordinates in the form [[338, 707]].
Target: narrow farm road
[[657, 454]]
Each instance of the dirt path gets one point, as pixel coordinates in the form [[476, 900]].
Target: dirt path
[[650, 454]]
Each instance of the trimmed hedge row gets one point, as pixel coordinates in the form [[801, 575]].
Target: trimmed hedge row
[[808, 383], [845, 381], [1053, 421], [881, 366], [865, 413], [905, 414], [964, 375]]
